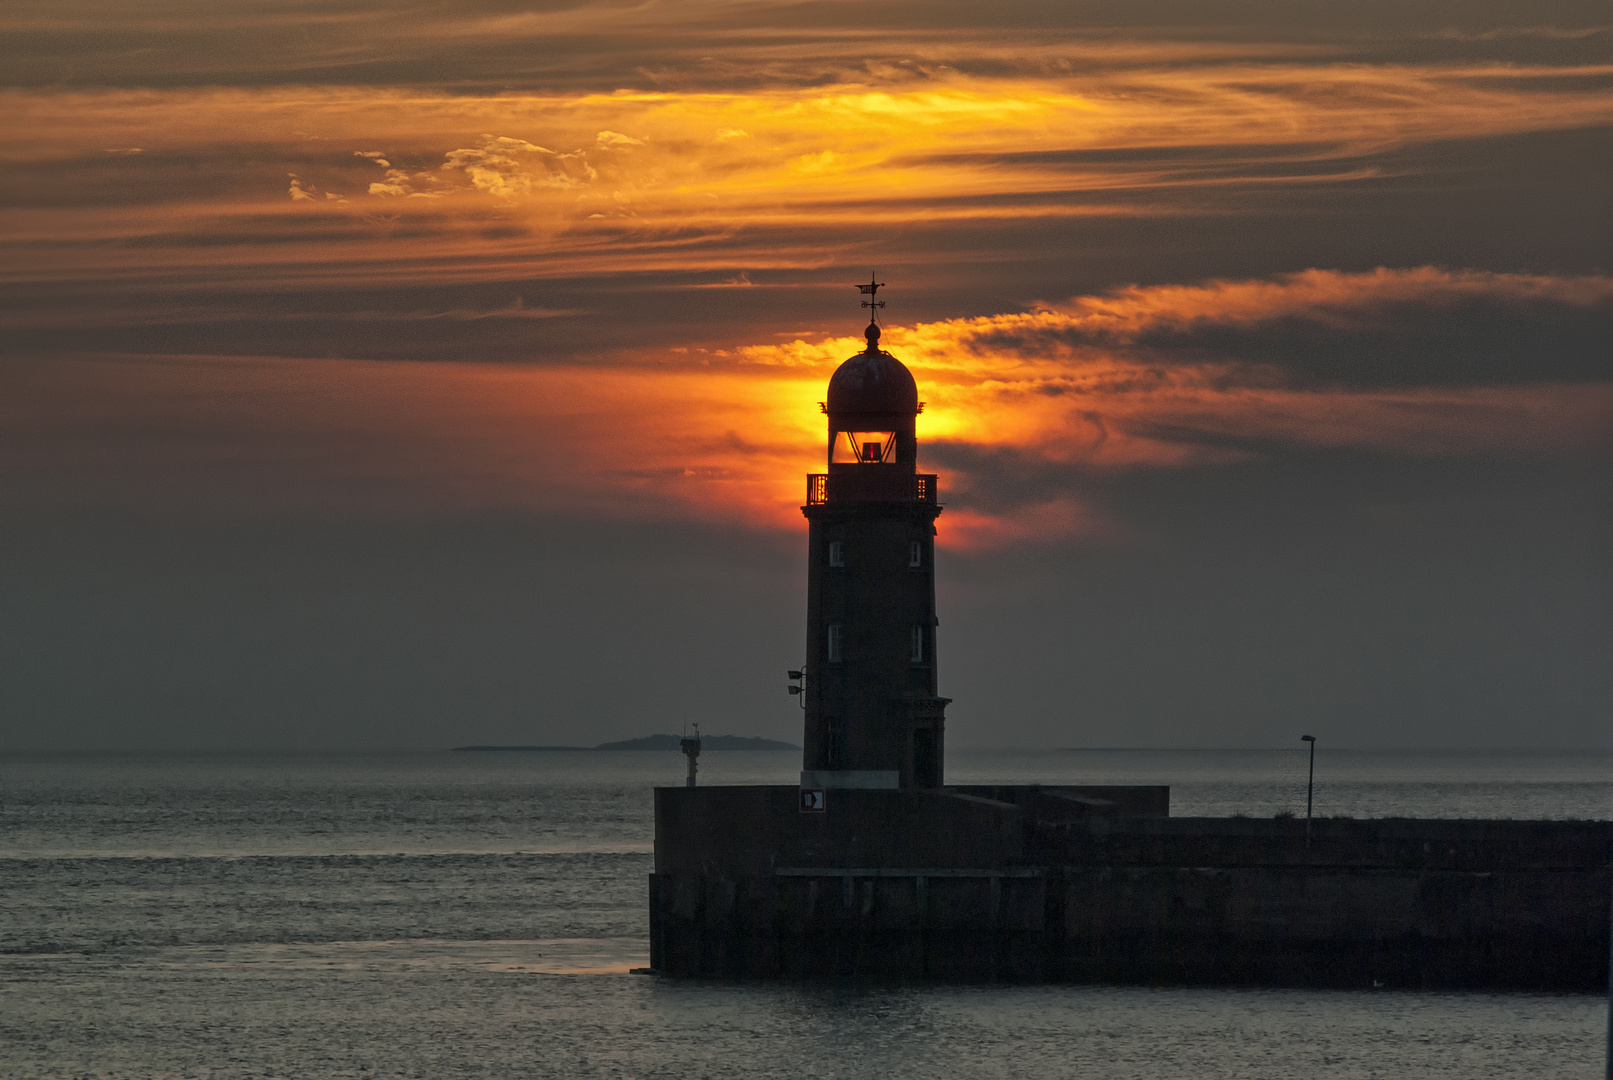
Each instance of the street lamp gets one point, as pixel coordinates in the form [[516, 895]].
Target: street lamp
[[1310, 788], [800, 678]]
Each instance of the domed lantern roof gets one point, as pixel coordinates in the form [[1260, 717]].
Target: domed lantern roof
[[873, 381]]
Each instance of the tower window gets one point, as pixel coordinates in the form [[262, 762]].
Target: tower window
[[915, 554], [918, 644], [837, 553], [834, 643], [834, 756]]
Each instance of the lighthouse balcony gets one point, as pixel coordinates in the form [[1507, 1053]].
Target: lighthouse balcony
[[871, 484]]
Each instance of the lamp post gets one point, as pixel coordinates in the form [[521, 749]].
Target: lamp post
[[1310, 788]]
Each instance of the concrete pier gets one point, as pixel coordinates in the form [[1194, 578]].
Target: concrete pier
[[1057, 885]]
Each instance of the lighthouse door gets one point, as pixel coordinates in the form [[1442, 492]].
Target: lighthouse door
[[926, 759]]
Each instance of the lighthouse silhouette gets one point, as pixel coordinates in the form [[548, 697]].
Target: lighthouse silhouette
[[874, 718], [872, 869]]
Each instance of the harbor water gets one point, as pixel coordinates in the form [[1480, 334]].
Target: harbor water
[[479, 914]]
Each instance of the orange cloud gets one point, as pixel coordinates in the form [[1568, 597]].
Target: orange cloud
[[521, 185], [1064, 383], [728, 435]]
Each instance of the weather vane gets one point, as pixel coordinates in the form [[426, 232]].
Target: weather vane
[[871, 290]]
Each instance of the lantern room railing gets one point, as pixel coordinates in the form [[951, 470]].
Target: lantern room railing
[[924, 489]]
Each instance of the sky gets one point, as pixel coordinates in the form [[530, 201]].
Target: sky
[[397, 377]]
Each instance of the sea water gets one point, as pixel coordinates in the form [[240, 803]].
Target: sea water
[[478, 915]]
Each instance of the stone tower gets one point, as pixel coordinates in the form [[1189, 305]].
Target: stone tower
[[873, 717]]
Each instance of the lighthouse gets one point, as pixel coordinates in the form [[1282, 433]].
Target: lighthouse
[[875, 869], [874, 717]]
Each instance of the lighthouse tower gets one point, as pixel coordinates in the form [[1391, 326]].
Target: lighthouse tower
[[873, 715], [873, 868]]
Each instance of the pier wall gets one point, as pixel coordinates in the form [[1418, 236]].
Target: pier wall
[[963, 888]]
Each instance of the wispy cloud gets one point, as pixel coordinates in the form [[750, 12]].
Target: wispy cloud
[[371, 182], [1143, 377], [610, 183], [1069, 390]]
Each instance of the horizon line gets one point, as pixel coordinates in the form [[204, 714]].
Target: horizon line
[[1324, 747]]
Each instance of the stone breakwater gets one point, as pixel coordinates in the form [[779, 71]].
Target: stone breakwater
[[1033, 884]]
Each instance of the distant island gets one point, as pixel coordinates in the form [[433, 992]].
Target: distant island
[[457, 748], [660, 742], [707, 742]]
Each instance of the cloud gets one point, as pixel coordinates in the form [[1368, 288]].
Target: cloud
[[1129, 380], [1023, 427], [1340, 301], [821, 167], [508, 168], [1549, 32], [1385, 326], [1056, 521], [652, 169]]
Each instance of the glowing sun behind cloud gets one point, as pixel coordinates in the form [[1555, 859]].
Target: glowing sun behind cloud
[[1100, 384]]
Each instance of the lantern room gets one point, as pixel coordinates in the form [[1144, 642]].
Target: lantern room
[[872, 406]]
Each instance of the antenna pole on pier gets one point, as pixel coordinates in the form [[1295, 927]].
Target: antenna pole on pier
[[691, 750], [1310, 788]]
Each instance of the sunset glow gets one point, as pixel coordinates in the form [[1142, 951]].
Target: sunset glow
[[294, 206], [726, 435], [1237, 325]]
